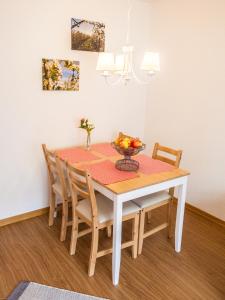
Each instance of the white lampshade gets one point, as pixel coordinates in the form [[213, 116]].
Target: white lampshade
[[151, 62], [119, 63], [105, 62]]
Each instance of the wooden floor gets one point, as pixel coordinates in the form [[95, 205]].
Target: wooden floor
[[30, 250]]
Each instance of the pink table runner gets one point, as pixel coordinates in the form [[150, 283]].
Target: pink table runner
[[75, 155], [150, 166], [105, 149], [106, 173]]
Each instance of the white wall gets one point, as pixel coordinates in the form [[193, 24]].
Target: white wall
[[186, 102], [30, 31]]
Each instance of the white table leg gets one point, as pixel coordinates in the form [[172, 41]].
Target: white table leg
[[182, 189], [117, 232]]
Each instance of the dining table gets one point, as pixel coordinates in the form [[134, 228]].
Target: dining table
[[122, 186]]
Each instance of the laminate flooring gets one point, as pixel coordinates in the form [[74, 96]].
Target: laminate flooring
[[30, 250]]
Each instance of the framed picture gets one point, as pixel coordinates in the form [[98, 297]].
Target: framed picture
[[60, 75], [87, 35]]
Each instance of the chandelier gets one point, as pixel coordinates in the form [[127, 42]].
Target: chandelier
[[122, 65]]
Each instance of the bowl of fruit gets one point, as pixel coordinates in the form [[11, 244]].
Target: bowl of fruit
[[127, 146]]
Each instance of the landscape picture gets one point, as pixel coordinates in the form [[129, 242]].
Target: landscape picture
[[60, 75], [87, 35]]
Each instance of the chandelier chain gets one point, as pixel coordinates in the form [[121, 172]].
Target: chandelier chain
[[130, 6]]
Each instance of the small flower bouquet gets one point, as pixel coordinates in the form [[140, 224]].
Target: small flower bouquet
[[86, 125]]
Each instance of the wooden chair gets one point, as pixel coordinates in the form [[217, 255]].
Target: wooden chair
[[58, 188], [97, 212], [156, 200]]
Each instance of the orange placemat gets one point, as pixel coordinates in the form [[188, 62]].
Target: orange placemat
[[76, 154], [105, 149], [105, 172], [150, 166]]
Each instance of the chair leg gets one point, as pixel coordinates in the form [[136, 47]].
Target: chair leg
[[109, 231], [52, 203], [169, 218], [135, 225], [74, 235], [149, 214], [94, 250], [64, 221], [141, 231]]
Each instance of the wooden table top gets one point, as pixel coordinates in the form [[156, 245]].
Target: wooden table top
[[139, 182]]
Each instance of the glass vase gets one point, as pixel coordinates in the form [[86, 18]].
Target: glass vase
[[88, 142]]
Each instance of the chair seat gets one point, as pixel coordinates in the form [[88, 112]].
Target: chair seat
[[105, 208], [152, 199]]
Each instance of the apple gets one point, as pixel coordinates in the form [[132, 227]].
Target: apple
[[124, 144], [136, 143], [117, 141], [132, 143]]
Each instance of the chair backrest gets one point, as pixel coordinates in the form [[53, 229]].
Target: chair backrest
[[80, 183], [176, 154], [55, 170]]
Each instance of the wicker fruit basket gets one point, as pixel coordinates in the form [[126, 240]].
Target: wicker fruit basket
[[127, 164]]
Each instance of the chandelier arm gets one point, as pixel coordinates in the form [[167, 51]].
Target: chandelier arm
[[142, 82], [114, 83]]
